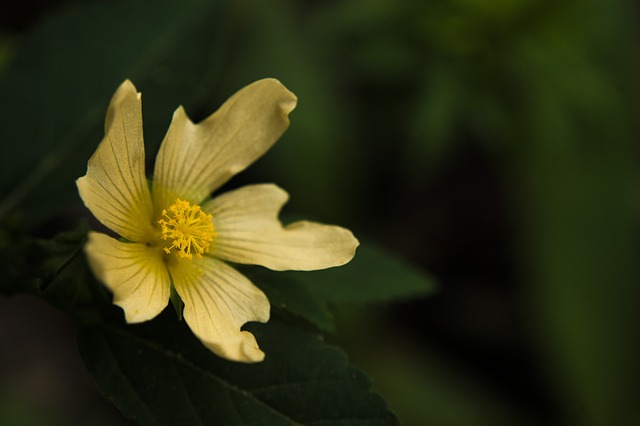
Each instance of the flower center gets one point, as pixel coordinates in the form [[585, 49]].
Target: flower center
[[187, 228]]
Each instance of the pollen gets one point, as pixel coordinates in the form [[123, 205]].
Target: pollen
[[187, 229]]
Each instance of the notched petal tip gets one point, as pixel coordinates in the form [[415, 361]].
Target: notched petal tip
[[286, 106], [244, 349], [250, 349], [348, 247], [126, 92], [127, 87], [287, 101]]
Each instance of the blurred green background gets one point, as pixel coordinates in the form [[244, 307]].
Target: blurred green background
[[493, 144]]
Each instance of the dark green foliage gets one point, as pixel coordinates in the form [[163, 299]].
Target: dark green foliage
[[159, 374], [374, 275]]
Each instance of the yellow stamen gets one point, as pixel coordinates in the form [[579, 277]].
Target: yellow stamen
[[188, 228]]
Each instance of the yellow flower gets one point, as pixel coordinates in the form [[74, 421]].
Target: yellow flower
[[173, 234]]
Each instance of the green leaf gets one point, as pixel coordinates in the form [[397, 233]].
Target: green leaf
[[286, 294], [55, 270], [54, 93], [374, 275], [157, 373], [57, 253], [32, 265]]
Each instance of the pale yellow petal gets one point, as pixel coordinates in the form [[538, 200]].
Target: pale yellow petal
[[196, 159], [136, 274], [218, 301], [115, 187], [248, 231]]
